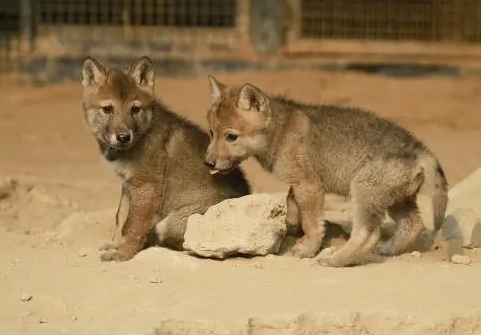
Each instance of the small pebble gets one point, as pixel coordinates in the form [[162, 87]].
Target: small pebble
[[82, 253], [416, 254], [156, 281], [460, 259], [42, 319], [26, 297]]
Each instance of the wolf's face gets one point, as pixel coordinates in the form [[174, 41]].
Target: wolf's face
[[237, 118], [118, 103]]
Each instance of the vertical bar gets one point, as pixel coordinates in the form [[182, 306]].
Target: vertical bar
[[293, 18], [27, 25], [267, 26]]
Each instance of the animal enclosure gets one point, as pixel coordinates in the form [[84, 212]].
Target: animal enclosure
[[55, 34], [58, 199]]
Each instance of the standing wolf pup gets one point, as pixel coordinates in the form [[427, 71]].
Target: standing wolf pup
[[319, 149], [158, 154]]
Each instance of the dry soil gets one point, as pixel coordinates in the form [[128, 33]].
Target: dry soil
[[52, 282]]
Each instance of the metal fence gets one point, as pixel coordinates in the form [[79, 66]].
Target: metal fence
[[10, 50], [37, 33], [161, 25], [223, 29], [409, 20], [385, 26]]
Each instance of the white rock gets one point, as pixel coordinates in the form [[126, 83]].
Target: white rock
[[250, 225], [463, 224], [466, 194], [470, 184], [461, 259], [416, 254]]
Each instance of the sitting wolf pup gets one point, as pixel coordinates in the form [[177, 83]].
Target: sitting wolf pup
[[158, 154], [319, 149]]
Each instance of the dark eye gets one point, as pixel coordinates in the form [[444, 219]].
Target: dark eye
[[230, 137], [135, 109], [107, 109]]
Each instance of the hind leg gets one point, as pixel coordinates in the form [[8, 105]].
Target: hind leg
[[365, 234], [367, 211], [371, 195], [406, 215], [170, 231], [372, 241]]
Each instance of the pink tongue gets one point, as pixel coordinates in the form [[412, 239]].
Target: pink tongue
[[213, 171]]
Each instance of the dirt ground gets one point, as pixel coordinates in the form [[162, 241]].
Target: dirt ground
[[52, 282]]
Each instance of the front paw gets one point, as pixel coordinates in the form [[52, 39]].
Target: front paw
[[384, 249], [121, 253], [325, 261], [114, 244], [108, 246], [325, 258], [305, 248]]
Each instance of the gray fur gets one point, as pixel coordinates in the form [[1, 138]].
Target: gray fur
[[319, 149]]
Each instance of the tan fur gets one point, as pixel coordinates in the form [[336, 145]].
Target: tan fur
[[159, 156], [319, 149]]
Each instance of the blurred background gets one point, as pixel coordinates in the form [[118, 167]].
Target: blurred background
[[47, 39], [414, 61]]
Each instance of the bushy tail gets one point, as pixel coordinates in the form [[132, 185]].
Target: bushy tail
[[435, 186]]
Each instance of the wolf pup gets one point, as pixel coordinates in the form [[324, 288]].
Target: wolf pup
[[319, 149], [158, 154]]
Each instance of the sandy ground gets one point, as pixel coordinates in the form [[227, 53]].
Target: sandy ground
[[52, 282]]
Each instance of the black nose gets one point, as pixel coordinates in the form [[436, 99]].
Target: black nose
[[209, 164], [123, 137]]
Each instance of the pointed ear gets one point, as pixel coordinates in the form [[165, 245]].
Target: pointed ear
[[142, 72], [93, 73], [251, 97], [217, 89]]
